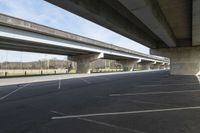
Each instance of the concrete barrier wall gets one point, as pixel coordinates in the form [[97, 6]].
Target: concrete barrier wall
[[32, 72], [106, 70], [26, 72]]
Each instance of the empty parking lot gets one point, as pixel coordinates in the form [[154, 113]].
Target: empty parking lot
[[145, 102]]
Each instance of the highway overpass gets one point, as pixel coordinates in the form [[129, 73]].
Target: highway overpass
[[171, 28], [22, 35]]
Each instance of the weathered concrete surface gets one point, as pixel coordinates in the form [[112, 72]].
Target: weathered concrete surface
[[183, 61], [174, 23], [149, 13], [154, 23], [196, 23], [178, 14], [25, 28], [145, 65], [84, 61], [30, 72], [112, 15], [159, 65], [33, 27], [155, 65]]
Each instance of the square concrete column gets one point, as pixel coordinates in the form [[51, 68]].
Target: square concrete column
[[84, 61], [183, 61], [145, 65], [128, 65], [164, 66], [167, 66], [155, 66], [158, 65]]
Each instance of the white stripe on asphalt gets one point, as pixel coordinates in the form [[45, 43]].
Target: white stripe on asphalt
[[155, 85], [125, 113], [84, 80], [59, 84], [14, 91], [110, 125], [100, 123], [162, 104], [153, 93]]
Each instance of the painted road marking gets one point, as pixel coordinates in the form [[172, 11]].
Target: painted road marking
[[153, 93], [156, 85], [14, 91], [59, 84], [126, 113], [110, 125], [162, 104], [100, 123], [84, 80]]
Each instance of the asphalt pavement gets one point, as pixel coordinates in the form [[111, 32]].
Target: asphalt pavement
[[145, 102]]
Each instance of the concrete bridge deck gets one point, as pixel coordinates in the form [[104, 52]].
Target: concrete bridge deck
[[29, 31], [22, 35], [170, 28]]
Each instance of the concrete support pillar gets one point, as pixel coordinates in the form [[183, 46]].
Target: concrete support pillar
[[183, 61], [156, 65], [162, 66], [128, 65], [84, 61], [159, 65], [167, 66], [145, 65]]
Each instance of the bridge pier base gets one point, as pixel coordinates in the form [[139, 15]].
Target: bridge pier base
[[183, 61], [162, 67], [159, 65], [156, 66], [145, 65], [166, 66], [84, 61]]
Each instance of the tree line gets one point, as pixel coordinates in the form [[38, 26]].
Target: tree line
[[57, 64]]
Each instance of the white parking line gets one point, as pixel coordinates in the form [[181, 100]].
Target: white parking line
[[126, 113], [100, 123], [155, 85], [110, 125], [153, 93], [84, 80], [59, 84], [162, 104], [14, 91]]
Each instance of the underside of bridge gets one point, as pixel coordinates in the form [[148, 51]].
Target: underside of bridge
[[170, 28], [22, 35]]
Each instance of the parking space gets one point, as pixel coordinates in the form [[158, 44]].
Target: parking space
[[152, 102]]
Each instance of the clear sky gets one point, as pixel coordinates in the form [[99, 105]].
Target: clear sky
[[44, 13]]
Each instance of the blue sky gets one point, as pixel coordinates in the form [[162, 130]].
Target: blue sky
[[47, 14]]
